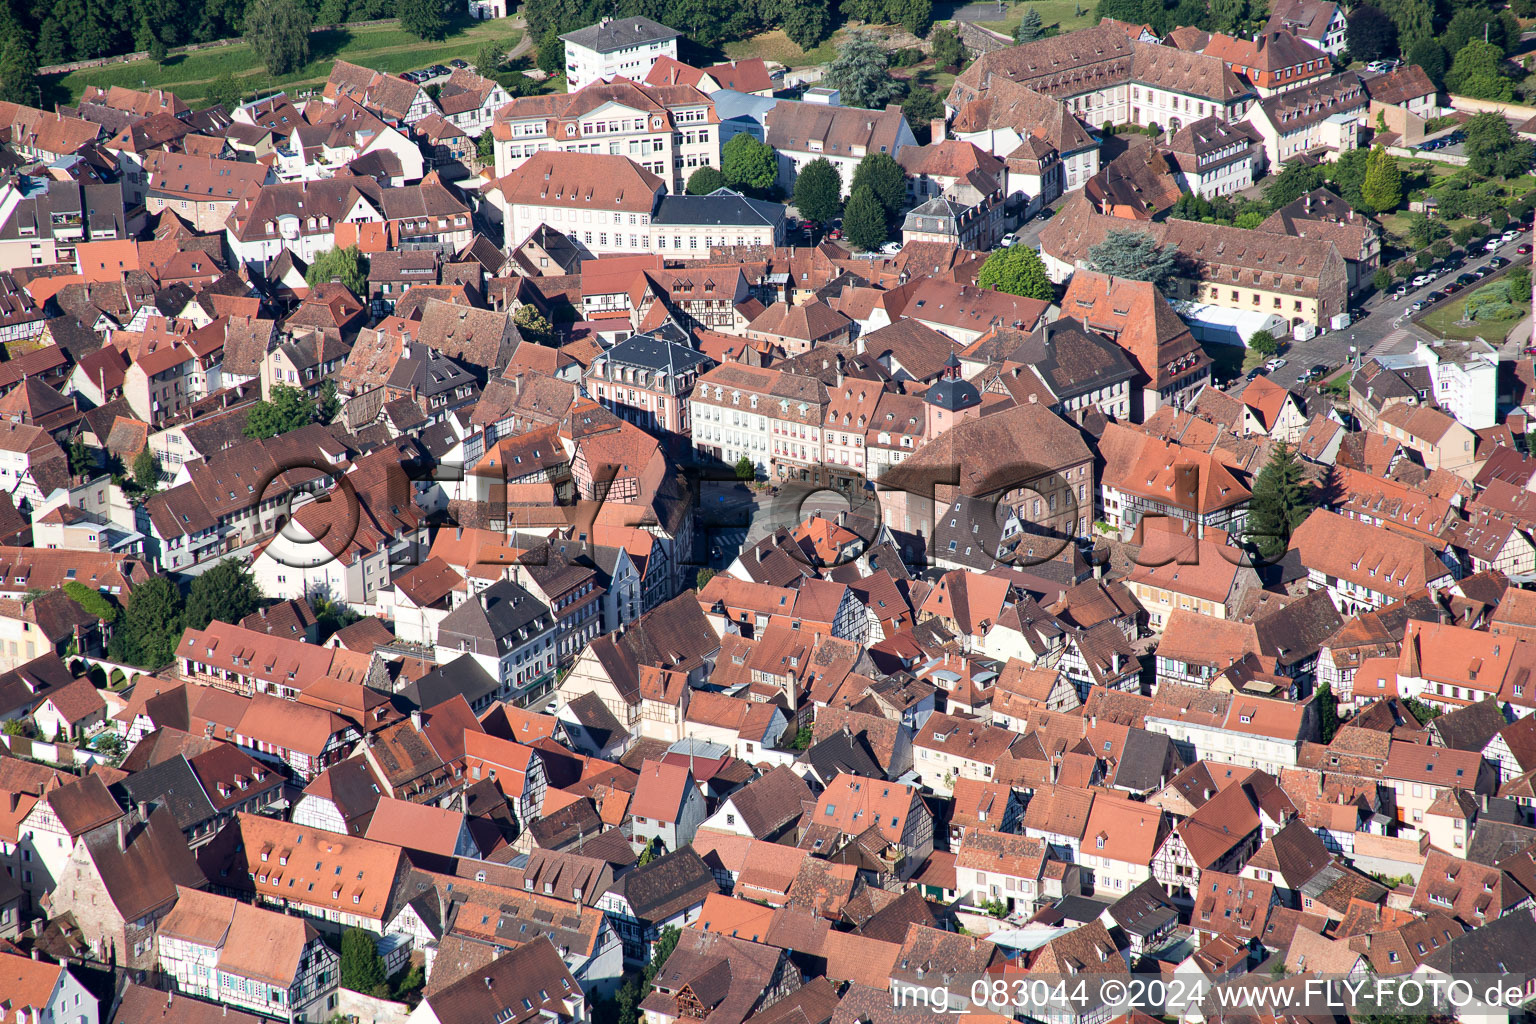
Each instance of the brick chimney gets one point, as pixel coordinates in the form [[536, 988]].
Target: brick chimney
[[938, 129]]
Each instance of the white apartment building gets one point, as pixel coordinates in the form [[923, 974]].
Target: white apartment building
[[670, 130], [1212, 157], [1250, 732], [802, 132], [770, 417], [601, 203], [622, 48], [1464, 377]]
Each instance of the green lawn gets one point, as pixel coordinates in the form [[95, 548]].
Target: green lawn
[[1441, 320], [386, 48], [776, 46], [1063, 14], [1338, 384]]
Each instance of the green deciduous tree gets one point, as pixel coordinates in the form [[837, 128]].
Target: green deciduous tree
[[345, 265], [818, 191], [661, 950], [1382, 279], [882, 175], [807, 24], [287, 409], [1478, 71], [1493, 149], [921, 107], [859, 73], [748, 164], [278, 31], [1468, 23], [488, 57], [424, 19], [551, 56], [864, 220], [1279, 504], [1383, 185], [1264, 343], [948, 50], [362, 969], [746, 469], [224, 92], [146, 471], [151, 625], [704, 180], [532, 325], [1134, 255], [225, 593], [1372, 34], [485, 149], [1031, 27], [93, 602], [1293, 182], [1017, 270], [1414, 19]]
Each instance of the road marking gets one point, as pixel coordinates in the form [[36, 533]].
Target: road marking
[[1385, 344]]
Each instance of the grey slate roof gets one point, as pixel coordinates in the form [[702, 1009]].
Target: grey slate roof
[[500, 619], [667, 885], [611, 36], [173, 784], [1498, 947], [849, 754], [1469, 728], [663, 349], [1144, 910], [721, 206], [462, 676], [1142, 761]]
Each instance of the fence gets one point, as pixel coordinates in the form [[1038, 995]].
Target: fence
[[212, 44]]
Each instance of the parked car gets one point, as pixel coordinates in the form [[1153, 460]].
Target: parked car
[[1274, 364], [458, 65], [1422, 280], [1417, 306], [1258, 371], [1480, 273], [1498, 263], [1319, 369], [1452, 288], [1524, 250], [892, 248], [1465, 279]]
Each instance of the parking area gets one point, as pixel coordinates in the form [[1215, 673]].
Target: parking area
[[426, 76], [1446, 143], [1442, 280]]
